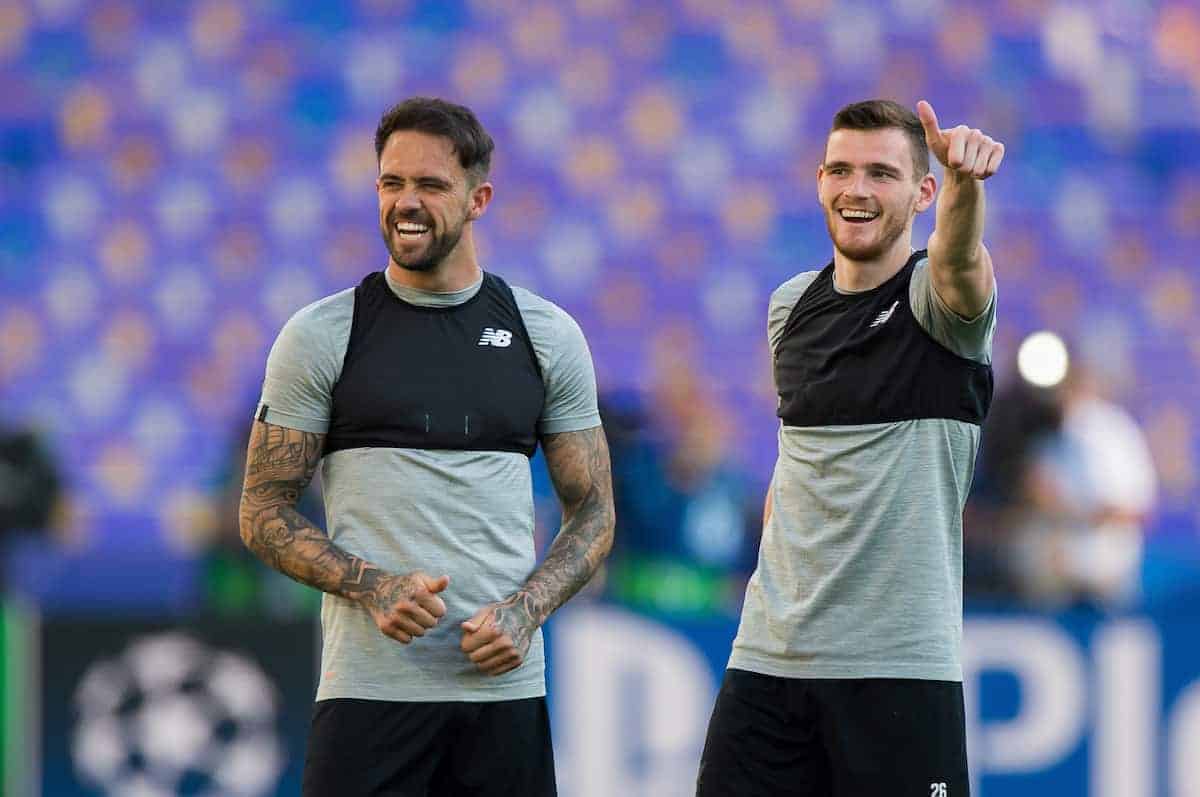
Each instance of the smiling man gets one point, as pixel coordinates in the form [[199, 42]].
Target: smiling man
[[423, 392], [845, 677]]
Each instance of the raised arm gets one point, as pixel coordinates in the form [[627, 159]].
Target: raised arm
[[280, 463], [498, 636], [959, 263]]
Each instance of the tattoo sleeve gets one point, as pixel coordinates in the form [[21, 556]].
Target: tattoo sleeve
[[582, 476], [280, 463]]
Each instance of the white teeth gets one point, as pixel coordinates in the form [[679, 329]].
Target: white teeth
[[857, 214], [409, 228]]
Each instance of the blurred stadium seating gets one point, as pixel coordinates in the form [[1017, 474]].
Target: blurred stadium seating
[[179, 177]]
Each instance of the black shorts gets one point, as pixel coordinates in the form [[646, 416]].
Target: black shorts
[[369, 747], [869, 737]]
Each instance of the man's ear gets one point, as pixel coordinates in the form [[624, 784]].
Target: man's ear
[[481, 197], [927, 192]]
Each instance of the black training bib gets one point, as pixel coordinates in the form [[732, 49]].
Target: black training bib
[[863, 358], [463, 377]]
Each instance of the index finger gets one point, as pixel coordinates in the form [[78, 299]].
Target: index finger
[[432, 604], [419, 614], [476, 640], [929, 121]]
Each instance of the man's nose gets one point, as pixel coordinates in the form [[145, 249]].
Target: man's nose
[[858, 185], [407, 200]]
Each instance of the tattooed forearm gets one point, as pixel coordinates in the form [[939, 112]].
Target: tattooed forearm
[[582, 476], [280, 463]]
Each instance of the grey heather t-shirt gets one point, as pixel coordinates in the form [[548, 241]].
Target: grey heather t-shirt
[[466, 514], [860, 567]]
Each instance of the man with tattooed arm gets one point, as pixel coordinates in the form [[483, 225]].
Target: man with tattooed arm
[[422, 392]]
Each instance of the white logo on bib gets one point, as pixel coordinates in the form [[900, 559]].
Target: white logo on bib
[[495, 337]]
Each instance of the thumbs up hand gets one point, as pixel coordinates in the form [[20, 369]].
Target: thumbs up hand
[[962, 151]]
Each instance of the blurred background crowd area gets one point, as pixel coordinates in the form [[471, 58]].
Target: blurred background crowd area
[[180, 177]]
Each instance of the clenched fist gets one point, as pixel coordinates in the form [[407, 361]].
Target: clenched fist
[[404, 607], [497, 637], [962, 150]]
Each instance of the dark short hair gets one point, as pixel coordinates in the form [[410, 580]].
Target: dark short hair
[[882, 114], [437, 117]]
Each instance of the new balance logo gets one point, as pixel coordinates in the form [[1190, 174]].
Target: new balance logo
[[885, 315], [495, 337]]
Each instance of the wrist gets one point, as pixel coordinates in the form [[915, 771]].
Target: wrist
[[953, 178], [526, 601], [369, 586]]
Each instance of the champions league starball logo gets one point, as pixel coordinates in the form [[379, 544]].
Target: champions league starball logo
[[172, 716]]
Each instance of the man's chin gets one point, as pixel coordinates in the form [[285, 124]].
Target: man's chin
[[422, 257], [859, 251], [409, 260], [420, 264]]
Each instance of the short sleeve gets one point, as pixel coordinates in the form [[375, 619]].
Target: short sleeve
[[305, 363], [566, 363], [783, 301], [967, 337]]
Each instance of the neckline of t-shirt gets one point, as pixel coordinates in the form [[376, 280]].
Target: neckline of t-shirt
[[855, 295], [432, 299]]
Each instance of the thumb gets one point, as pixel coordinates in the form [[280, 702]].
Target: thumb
[[477, 620], [437, 584], [929, 121]]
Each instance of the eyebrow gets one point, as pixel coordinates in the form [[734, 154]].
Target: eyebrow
[[886, 167], [425, 178]]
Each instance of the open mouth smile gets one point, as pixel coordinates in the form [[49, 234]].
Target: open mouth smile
[[411, 230], [857, 216]]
